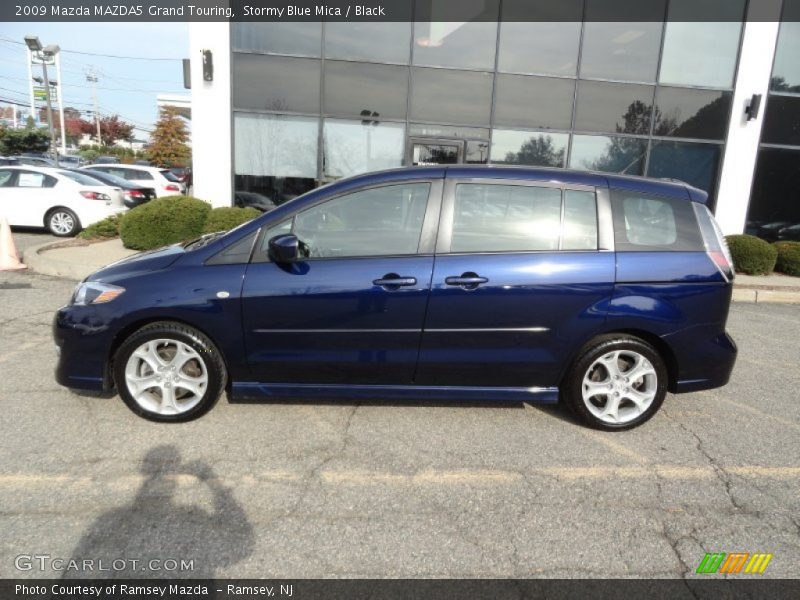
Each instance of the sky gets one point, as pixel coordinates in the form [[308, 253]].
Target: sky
[[126, 87]]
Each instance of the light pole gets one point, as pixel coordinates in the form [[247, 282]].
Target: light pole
[[45, 53]]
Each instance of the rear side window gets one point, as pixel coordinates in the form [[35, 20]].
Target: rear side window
[[522, 218], [643, 222], [132, 175], [28, 179]]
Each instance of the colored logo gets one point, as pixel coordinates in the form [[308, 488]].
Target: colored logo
[[735, 562]]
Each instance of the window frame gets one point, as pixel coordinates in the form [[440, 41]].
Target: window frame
[[427, 239], [605, 230]]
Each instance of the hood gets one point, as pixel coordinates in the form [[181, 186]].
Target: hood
[[151, 260]]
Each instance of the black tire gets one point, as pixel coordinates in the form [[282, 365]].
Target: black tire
[[61, 212], [573, 384], [204, 347]]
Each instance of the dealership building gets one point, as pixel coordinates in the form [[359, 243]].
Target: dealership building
[[716, 103]]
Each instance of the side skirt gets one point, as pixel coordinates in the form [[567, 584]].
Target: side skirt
[[415, 393]]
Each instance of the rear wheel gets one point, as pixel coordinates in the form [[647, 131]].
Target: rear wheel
[[618, 382], [169, 372], [62, 222]]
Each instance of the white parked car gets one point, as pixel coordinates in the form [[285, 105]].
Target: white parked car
[[62, 201], [163, 181]]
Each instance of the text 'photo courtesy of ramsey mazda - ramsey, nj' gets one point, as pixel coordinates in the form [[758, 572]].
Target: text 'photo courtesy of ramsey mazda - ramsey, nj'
[[461, 283]]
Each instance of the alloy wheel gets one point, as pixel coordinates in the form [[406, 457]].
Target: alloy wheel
[[619, 386], [62, 222]]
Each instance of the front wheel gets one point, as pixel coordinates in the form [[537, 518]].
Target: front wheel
[[62, 222], [618, 382], [169, 372]]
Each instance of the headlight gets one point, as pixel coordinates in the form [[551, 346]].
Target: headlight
[[94, 292]]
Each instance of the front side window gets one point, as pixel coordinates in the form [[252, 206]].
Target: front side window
[[383, 221], [652, 223]]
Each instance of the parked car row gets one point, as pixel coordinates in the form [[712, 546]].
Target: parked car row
[[774, 231]]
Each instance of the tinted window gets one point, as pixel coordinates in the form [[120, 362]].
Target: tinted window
[[691, 113], [236, 253], [505, 218], [609, 154], [540, 37], [698, 50], [352, 89], [643, 222], [275, 145], [580, 221], [458, 44], [529, 148], [375, 222], [786, 72], [538, 102], [782, 120], [5, 178], [616, 46], [696, 164], [775, 187], [276, 83], [379, 42], [169, 175], [351, 147], [614, 107], [280, 37], [451, 96]]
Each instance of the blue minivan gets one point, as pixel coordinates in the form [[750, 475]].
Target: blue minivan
[[442, 283]]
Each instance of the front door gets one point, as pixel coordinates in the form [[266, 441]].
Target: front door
[[353, 311], [430, 151]]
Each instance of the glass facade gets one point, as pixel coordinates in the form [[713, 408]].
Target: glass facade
[[774, 211], [539, 84]]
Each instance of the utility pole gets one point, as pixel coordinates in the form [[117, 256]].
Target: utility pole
[[45, 54], [92, 78], [61, 105]]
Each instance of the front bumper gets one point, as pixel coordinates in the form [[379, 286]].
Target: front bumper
[[83, 343]]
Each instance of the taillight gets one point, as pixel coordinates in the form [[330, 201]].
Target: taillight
[[172, 188], [714, 241], [95, 196], [135, 194]]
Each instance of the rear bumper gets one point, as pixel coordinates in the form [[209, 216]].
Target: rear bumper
[[709, 365]]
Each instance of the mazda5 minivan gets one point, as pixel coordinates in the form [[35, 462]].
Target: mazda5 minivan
[[452, 283]]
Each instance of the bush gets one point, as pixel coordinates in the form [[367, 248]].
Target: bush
[[105, 229], [788, 258], [752, 255], [228, 217], [163, 221]]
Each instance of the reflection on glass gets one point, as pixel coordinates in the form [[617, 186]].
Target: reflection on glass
[[580, 221], [540, 37], [607, 153], [786, 72], [774, 197], [477, 152], [275, 189], [276, 83], [537, 102], [782, 121], [352, 88], [466, 45], [351, 147], [689, 113], [447, 131], [285, 37], [614, 107], [369, 40], [696, 164], [275, 145], [621, 51], [451, 96], [529, 148], [701, 42]]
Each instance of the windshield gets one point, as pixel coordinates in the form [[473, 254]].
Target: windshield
[[170, 176], [81, 178]]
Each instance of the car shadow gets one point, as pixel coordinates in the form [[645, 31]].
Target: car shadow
[[154, 527]]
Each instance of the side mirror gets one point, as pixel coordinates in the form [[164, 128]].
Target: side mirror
[[284, 248]]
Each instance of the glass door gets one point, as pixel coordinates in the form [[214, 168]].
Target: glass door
[[428, 151]]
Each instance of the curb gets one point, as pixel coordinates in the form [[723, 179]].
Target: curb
[[50, 266], [765, 296]]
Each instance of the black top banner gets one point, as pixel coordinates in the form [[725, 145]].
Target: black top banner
[[400, 10]]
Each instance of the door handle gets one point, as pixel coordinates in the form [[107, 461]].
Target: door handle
[[468, 280], [392, 281]]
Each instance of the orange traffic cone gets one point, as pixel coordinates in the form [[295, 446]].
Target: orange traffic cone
[[9, 259]]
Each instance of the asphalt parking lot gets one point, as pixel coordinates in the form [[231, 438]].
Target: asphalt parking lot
[[389, 490]]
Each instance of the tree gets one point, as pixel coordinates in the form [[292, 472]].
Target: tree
[[169, 147], [538, 151], [113, 129], [19, 141]]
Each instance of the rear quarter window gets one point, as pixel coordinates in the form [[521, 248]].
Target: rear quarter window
[[647, 223]]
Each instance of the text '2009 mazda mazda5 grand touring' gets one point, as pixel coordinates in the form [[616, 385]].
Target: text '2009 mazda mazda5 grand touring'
[[445, 283]]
